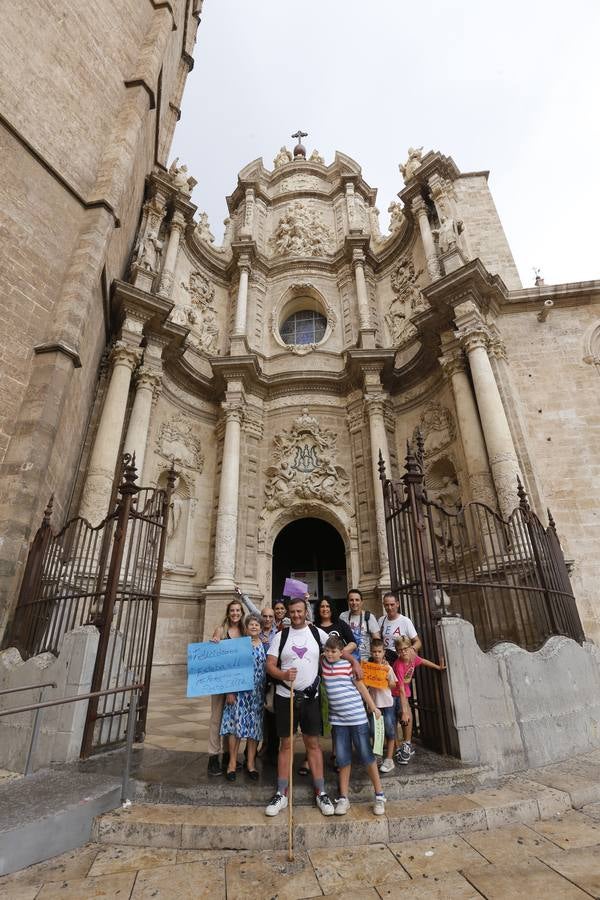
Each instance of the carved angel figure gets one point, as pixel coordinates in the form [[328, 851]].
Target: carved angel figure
[[147, 252], [412, 163], [284, 156], [316, 157], [202, 230], [397, 217], [180, 178]]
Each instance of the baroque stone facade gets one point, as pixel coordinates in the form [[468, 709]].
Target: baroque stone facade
[[275, 368]]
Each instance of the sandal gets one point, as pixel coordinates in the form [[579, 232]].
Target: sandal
[[303, 770]]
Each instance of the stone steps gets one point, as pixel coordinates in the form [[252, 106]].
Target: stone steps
[[513, 800]]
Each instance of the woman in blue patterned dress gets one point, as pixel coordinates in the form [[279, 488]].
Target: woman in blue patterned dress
[[243, 712]]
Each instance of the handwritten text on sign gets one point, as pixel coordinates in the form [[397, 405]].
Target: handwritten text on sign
[[220, 668], [375, 675]]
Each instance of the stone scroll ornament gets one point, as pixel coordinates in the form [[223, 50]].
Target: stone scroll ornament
[[301, 232], [177, 442], [199, 315], [305, 467], [408, 299], [437, 427]]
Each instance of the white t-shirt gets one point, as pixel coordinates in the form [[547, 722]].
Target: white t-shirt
[[362, 630], [393, 628], [300, 652]]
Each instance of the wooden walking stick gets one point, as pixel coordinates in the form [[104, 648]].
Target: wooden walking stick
[[290, 784]]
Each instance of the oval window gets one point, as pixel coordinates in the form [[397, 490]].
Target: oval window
[[304, 327]]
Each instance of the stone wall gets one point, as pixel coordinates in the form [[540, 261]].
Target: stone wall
[[513, 709], [61, 727]]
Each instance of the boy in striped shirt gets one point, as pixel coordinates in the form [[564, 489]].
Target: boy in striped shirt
[[349, 722]]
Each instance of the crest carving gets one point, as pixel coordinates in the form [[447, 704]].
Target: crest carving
[[177, 442], [198, 315], [407, 301], [437, 427], [305, 466], [301, 232]]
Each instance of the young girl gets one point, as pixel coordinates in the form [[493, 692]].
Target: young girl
[[232, 627], [383, 700], [404, 669], [243, 712]]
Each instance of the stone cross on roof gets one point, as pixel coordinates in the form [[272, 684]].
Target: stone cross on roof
[[300, 149]]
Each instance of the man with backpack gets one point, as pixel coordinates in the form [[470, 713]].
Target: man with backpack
[[294, 657], [363, 624]]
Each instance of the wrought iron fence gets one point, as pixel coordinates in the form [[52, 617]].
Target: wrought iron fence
[[508, 577], [109, 576]]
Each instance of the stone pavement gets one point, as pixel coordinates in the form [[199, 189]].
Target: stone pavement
[[557, 858]]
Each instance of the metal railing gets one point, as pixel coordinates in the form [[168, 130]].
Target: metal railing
[[28, 687], [131, 718]]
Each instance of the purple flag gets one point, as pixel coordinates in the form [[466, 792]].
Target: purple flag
[[294, 588]]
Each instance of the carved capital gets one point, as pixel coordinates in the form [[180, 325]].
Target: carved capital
[[497, 347], [178, 221], [358, 258], [123, 354], [243, 263], [375, 403], [418, 206], [474, 337], [453, 363], [149, 379], [233, 410]]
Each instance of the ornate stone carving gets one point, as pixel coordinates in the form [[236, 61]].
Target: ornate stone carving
[[202, 230], [474, 337], [177, 442], [301, 232], [283, 157], [180, 179], [437, 427], [407, 301], [200, 289], [305, 466], [123, 353], [199, 315], [397, 217], [147, 250], [412, 163], [315, 157]]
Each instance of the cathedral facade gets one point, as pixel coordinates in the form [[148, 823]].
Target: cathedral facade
[[273, 369]]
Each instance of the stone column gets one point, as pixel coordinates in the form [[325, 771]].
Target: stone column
[[419, 209], [148, 385], [366, 329], [375, 403], [496, 431], [103, 461], [454, 365], [241, 308], [227, 511], [168, 272]]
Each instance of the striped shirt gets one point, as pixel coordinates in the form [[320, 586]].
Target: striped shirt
[[345, 703]]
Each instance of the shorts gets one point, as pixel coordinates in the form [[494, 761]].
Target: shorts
[[398, 707], [307, 714], [389, 721], [346, 737]]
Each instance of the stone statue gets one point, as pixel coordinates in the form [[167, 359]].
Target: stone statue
[[301, 232], [284, 156], [397, 217], [202, 230], [412, 163], [177, 442], [148, 250], [316, 157], [180, 178], [448, 233]]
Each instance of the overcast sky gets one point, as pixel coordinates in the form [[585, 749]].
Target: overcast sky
[[510, 87]]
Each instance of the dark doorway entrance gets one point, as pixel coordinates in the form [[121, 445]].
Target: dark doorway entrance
[[311, 546]]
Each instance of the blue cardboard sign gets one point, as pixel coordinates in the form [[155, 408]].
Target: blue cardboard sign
[[221, 668]]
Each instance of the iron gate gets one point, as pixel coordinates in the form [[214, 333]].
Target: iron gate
[[108, 576], [508, 577]]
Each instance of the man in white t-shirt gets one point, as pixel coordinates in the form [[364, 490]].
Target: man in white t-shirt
[[363, 624], [294, 656], [394, 625]]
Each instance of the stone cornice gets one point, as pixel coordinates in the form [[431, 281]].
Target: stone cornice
[[471, 282], [574, 293], [152, 309]]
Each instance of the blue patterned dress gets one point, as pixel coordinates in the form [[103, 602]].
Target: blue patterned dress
[[244, 718]]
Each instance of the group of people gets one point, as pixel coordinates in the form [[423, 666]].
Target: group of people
[[319, 662]]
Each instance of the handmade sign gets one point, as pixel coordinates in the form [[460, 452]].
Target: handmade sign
[[375, 675], [378, 735], [221, 668], [294, 588]]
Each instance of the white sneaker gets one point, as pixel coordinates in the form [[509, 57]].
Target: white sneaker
[[379, 805], [342, 806], [387, 766], [324, 803], [276, 804]]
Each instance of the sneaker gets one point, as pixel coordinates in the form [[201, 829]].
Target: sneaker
[[276, 804], [342, 806], [214, 766], [404, 754], [379, 805], [387, 766], [324, 804]]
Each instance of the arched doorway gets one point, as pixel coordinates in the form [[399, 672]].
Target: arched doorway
[[313, 550]]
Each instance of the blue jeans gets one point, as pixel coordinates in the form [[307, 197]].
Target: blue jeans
[[389, 722], [346, 737]]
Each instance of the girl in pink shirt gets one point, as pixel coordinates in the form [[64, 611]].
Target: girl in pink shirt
[[404, 669]]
